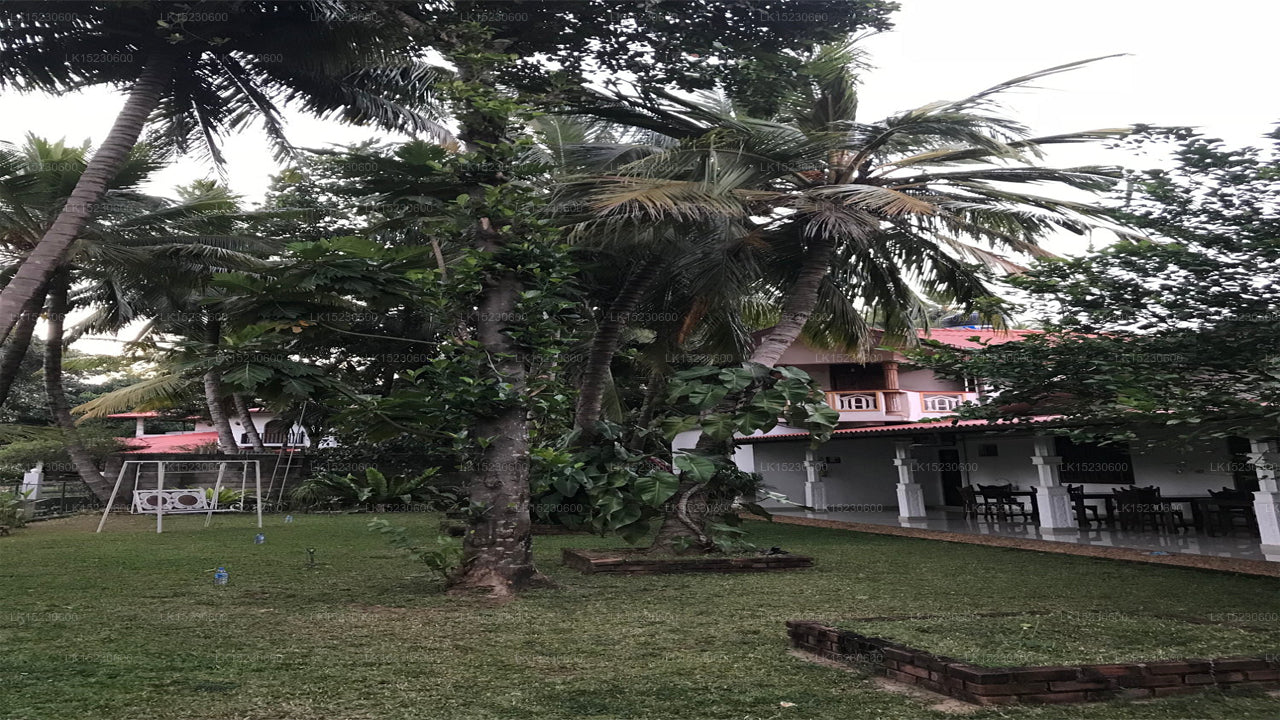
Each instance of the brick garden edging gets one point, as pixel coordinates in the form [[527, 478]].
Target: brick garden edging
[[1047, 684], [613, 561]]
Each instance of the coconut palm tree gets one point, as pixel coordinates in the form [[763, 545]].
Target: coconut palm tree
[[845, 220], [854, 218], [193, 76], [132, 245]]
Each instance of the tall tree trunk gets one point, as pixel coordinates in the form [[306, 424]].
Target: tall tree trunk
[[687, 511], [798, 303], [52, 249], [84, 463], [497, 550], [15, 348], [218, 414], [595, 376], [213, 395], [246, 421]]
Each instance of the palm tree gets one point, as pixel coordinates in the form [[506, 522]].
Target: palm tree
[[854, 218], [196, 76], [127, 249], [847, 220]]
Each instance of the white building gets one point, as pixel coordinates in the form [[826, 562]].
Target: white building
[[275, 432], [897, 455]]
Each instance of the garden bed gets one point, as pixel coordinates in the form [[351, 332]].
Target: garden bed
[[1057, 683], [635, 563]]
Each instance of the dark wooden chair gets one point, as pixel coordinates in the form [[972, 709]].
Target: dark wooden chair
[[1236, 505], [1082, 509], [1001, 502], [969, 501], [1142, 506]]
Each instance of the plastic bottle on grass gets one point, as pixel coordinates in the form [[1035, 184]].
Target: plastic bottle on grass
[[220, 576]]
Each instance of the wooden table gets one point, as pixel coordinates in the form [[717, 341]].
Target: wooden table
[[1035, 507], [1199, 505]]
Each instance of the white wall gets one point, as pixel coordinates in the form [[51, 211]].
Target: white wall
[[260, 421], [1011, 465], [865, 474], [926, 380], [781, 464]]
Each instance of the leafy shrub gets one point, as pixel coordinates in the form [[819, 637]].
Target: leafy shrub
[[441, 560], [18, 456], [402, 456], [11, 511], [226, 496], [377, 490]]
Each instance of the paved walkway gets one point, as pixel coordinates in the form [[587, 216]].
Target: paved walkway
[[1247, 566]]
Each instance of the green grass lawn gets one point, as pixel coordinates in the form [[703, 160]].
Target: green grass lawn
[[128, 625], [1068, 637]]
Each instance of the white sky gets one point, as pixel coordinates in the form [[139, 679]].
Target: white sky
[[1189, 64], [1210, 66]]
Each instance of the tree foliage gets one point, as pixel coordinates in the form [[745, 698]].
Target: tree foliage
[[1178, 328]]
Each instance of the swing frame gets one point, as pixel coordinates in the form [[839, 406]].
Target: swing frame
[[161, 467]]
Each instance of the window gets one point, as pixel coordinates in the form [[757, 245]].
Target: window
[[988, 450]]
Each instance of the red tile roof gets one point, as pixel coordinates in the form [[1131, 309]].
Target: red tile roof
[[963, 337], [892, 429]]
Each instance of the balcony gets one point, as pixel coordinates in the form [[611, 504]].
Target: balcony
[[294, 438], [895, 405]]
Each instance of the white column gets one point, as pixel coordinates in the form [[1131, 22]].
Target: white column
[[815, 491], [910, 493], [140, 428], [31, 480], [1265, 457], [1057, 517]]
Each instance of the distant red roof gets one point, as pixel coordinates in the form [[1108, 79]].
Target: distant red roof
[[963, 337], [944, 426], [152, 414], [176, 443]]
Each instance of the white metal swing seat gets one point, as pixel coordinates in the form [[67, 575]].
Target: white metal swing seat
[[180, 501], [174, 502]]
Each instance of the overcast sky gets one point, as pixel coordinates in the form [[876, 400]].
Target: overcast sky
[[1211, 66]]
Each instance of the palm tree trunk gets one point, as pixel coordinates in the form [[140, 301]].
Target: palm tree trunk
[[213, 395], [218, 414], [798, 303], [83, 461], [595, 376], [49, 253], [15, 348], [246, 421], [686, 514]]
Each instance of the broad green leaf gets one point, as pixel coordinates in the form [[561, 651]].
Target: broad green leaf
[[719, 426], [707, 396], [670, 427], [657, 488], [565, 485], [695, 467]]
